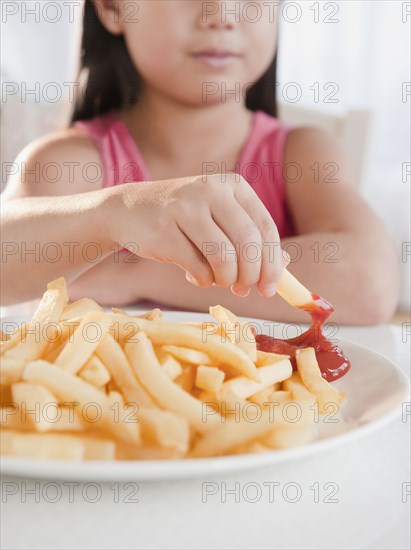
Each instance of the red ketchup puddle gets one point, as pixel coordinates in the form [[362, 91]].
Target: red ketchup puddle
[[331, 359]]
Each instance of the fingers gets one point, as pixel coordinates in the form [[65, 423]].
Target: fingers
[[246, 239], [224, 237], [180, 250], [273, 259], [243, 245], [214, 247]]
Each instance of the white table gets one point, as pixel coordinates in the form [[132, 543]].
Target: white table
[[368, 474]]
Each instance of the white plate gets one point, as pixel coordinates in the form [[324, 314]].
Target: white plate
[[375, 387]]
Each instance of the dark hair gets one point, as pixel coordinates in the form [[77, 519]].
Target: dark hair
[[113, 81]]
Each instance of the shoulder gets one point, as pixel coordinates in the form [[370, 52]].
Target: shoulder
[[320, 187], [61, 163], [311, 137], [314, 149]]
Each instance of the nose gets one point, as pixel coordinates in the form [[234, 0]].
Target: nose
[[221, 14]]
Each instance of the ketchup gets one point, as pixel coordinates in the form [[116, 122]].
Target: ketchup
[[331, 359]]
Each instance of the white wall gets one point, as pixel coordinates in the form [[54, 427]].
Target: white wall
[[367, 55]]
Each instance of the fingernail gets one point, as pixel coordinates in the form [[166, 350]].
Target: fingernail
[[269, 290], [191, 279], [286, 257], [243, 292]]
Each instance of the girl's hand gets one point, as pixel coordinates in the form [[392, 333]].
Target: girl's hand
[[215, 228]]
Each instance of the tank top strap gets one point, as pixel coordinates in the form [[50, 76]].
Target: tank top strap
[[262, 164], [120, 157]]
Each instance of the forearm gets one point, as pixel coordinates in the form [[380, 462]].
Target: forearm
[[47, 237], [117, 280], [356, 271]]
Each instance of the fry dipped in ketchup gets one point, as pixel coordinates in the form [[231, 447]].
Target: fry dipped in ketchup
[[331, 359]]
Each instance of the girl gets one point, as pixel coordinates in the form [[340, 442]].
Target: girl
[[175, 162]]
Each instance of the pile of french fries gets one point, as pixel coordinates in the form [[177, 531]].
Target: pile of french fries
[[81, 383]]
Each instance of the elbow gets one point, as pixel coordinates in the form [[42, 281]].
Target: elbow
[[378, 296], [378, 310]]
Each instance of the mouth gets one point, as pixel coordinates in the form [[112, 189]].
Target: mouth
[[216, 58]]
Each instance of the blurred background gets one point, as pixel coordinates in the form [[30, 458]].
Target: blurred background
[[344, 65]]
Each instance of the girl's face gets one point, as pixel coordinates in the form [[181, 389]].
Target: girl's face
[[196, 51]]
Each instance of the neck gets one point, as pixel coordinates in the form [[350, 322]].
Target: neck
[[171, 130]]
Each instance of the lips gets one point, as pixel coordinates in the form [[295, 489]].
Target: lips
[[216, 58]]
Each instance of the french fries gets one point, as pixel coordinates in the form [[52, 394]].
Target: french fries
[[81, 383], [311, 376], [293, 291], [209, 378], [235, 331]]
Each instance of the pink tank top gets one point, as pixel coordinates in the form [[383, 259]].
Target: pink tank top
[[261, 161]]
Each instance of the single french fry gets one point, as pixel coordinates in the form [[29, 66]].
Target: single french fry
[[52, 351], [242, 387], [152, 315], [15, 360], [125, 415], [187, 355], [236, 331], [229, 371], [312, 379], [209, 378], [69, 388], [65, 420], [294, 385], [187, 378], [64, 385], [119, 311], [95, 372], [45, 446], [205, 325], [98, 449], [62, 334], [79, 308], [73, 357], [170, 364], [265, 395], [4, 337], [231, 433], [239, 430], [116, 362], [293, 292], [167, 394], [56, 446], [51, 306], [286, 437], [298, 428], [164, 428], [35, 403], [32, 345], [265, 358], [11, 419], [176, 334], [210, 398], [132, 452], [248, 448], [15, 338]]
